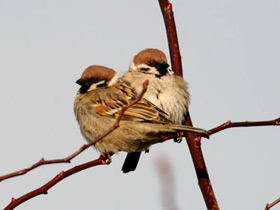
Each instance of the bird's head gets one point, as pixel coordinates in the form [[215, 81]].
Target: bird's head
[[96, 76], [150, 61]]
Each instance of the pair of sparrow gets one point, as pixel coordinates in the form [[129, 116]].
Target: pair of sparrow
[[161, 112]]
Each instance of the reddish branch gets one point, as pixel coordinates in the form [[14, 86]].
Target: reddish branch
[[42, 161], [174, 51], [62, 175], [268, 206], [192, 139], [230, 124], [194, 145], [68, 159]]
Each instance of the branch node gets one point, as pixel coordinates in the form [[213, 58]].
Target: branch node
[[228, 123], [198, 138], [169, 6], [267, 206], [61, 174], [270, 205]]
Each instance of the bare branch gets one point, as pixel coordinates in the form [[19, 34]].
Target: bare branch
[[68, 159], [42, 161], [192, 139], [174, 51], [268, 206], [62, 175], [230, 124]]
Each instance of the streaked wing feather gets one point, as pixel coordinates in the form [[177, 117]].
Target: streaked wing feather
[[109, 102]]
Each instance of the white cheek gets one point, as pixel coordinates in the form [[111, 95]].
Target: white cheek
[[132, 66], [152, 70], [114, 79], [93, 87]]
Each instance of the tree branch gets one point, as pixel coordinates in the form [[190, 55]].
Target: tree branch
[[62, 175], [68, 159], [192, 139], [174, 51], [42, 161], [268, 206], [230, 124]]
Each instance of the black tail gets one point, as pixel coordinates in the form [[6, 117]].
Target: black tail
[[131, 161]]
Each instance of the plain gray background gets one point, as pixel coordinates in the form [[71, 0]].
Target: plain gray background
[[230, 52]]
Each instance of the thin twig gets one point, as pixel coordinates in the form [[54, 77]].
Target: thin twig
[[268, 206], [62, 175], [68, 159], [192, 139], [230, 124], [42, 161]]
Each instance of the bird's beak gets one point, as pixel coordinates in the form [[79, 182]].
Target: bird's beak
[[81, 81]]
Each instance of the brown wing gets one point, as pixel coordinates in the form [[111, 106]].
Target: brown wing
[[109, 102]]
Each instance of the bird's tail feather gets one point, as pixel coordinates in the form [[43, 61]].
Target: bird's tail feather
[[196, 130], [131, 162]]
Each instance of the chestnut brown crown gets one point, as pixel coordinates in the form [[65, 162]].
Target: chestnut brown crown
[[97, 71], [148, 55]]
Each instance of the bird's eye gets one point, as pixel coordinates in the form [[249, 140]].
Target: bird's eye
[[144, 69], [95, 80], [151, 63]]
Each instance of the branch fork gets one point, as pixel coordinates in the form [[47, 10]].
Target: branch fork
[[63, 174], [193, 140]]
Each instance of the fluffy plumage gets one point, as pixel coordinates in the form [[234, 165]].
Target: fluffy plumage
[[98, 103], [166, 90]]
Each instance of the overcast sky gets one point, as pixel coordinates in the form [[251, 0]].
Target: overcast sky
[[230, 52]]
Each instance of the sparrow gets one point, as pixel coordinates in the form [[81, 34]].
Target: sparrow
[[98, 104], [166, 90]]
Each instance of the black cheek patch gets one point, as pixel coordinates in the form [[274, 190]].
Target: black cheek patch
[[85, 84], [162, 68], [83, 89]]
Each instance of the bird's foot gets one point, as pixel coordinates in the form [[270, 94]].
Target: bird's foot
[[167, 137], [107, 157]]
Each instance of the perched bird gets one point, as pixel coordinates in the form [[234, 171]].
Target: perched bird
[[98, 104], [166, 90]]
